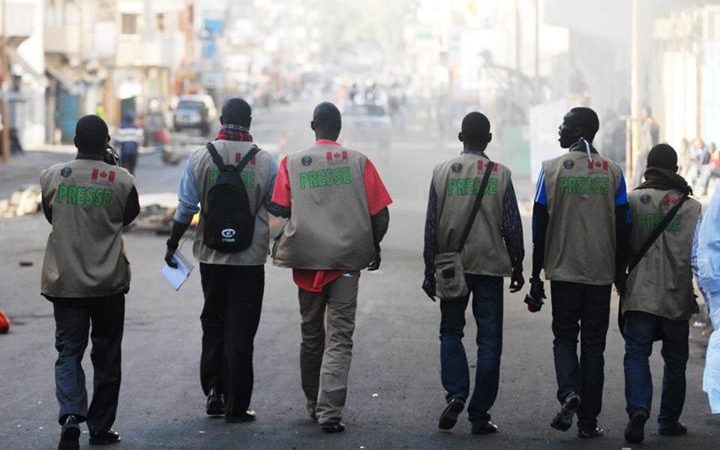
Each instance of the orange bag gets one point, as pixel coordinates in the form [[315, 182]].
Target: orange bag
[[4, 323]]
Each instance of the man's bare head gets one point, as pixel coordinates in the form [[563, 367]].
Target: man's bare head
[[326, 121]]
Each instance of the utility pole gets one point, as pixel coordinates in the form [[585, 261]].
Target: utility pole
[[632, 150], [518, 37], [537, 40], [5, 78]]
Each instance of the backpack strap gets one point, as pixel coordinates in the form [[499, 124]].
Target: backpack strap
[[217, 159], [246, 159]]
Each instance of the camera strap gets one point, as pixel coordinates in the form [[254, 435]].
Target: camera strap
[[476, 205], [656, 233], [659, 229]]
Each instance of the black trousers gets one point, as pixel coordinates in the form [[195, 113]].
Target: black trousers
[[584, 310], [230, 318], [72, 322]]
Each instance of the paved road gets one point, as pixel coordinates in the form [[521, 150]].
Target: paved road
[[395, 393]]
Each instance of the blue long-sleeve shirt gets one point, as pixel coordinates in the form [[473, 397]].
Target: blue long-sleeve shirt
[[189, 197], [511, 231]]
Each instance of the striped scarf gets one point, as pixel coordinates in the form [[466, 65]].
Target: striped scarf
[[232, 132]]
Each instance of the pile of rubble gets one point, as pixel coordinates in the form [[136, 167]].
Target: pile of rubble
[[21, 203], [156, 218]]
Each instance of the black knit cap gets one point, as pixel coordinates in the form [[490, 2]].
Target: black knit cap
[[663, 156], [91, 134]]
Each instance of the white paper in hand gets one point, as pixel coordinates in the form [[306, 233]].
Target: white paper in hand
[[177, 276]]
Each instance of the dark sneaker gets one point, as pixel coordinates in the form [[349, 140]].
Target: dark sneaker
[[70, 434], [676, 429], [635, 430], [104, 437], [335, 427], [249, 416], [484, 427], [589, 433], [449, 416], [312, 411], [563, 419], [215, 405]]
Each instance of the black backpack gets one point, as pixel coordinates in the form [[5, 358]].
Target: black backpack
[[229, 225]]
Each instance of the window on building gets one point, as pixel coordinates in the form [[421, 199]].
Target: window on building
[[161, 22], [130, 23]]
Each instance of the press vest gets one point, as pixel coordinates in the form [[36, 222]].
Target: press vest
[[257, 178], [661, 283], [85, 256], [580, 241], [457, 184], [329, 226]]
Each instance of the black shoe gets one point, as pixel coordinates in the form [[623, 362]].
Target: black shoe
[[312, 411], [248, 416], [484, 427], [215, 405], [589, 433], [336, 427], [70, 434], [449, 416], [104, 437], [563, 419], [635, 430], [676, 429]]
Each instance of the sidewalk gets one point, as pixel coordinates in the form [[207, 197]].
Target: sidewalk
[[24, 170]]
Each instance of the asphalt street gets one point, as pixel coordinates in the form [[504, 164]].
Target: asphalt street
[[395, 395]]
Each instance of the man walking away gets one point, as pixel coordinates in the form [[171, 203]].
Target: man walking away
[[230, 178], [493, 250], [658, 296], [708, 277], [580, 222], [337, 209], [86, 275], [128, 137]]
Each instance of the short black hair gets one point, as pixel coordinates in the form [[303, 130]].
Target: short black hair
[[476, 128], [91, 134], [326, 117], [587, 119], [236, 111], [663, 156]]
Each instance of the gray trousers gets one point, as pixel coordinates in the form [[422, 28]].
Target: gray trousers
[[326, 349], [72, 322]]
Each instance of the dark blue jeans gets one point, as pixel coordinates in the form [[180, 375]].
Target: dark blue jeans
[[487, 305], [641, 330], [580, 310]]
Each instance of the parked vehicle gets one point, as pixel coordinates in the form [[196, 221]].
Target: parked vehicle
[[155, 131], [194, 112], [367, 124]]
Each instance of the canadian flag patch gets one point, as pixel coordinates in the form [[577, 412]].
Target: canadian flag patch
[[340, 157], [104, 175], [598, 165], [481, 166], [239, 156]]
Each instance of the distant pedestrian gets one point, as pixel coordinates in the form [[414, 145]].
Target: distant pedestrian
[[649, 138], [658, 298], [337, 209], [230, 181], [128, 138], [488, 239], [708, 277], [579, 235], [86, 275]]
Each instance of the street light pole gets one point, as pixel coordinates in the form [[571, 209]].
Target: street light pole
[[5, 79], [634, 147]]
